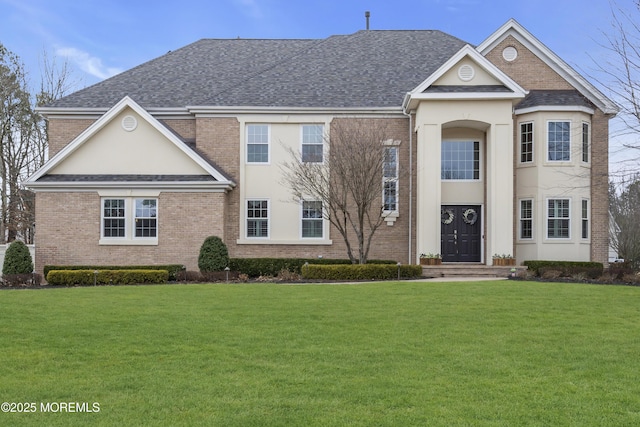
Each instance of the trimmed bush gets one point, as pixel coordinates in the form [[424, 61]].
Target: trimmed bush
[[105, 277], [255, 267], [214, 255], [173, 269], [592, 270], [360, 272], [17, 259]]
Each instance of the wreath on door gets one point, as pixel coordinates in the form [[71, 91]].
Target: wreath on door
[[470, 216], [446, 216]]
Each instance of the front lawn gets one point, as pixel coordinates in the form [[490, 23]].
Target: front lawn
[[389, 354]]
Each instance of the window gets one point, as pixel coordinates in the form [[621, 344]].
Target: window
[[146, 218], [129, 218], [113, 218], [257, 218], [312, 143], [460, 160], [312, 223], [585, 142], [257, 143], [526, 219], [585, 219], [559, 141], [526, 142], [390, 179], [558, 219]]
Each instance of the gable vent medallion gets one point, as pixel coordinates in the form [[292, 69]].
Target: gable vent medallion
[[129, 123], [510, 53], [466, 73]]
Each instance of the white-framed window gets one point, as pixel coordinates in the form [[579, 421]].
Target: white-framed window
[[312, 219], [312, 143], [390, 179], [526, 142], [258, 136], [129, 218], [586, 138], [585, 219], [257, 218], [559, 141], [526, 219], [558, 218], [460, 160]]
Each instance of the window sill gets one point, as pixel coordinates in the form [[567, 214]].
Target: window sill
[[128, 242], [390, 217], [308, 242]]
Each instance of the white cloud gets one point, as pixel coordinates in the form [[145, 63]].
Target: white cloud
[[87, 63]]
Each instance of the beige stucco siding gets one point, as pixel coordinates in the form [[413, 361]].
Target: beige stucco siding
[[113, 150], [480, 76]]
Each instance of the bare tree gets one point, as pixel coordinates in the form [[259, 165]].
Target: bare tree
[[348, 182], [23, 139], [624, 206]]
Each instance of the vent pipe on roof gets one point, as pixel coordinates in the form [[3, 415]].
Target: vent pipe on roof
[[367, 14]]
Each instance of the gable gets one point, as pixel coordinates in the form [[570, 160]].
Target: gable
[[128, 145], [536, 66], [119, 151], [456, 76]]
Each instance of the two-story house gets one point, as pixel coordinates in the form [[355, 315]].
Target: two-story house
[[504, 148]]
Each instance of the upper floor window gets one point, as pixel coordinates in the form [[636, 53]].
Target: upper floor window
[[390, 179], [558, 219], [312, 223], [129, 219], [257, 143], [526, 142], [559, 141], [460, 160], [585, 142], [526, 219], [312, 143]]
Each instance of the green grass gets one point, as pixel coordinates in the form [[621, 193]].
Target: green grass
[[385, 354]]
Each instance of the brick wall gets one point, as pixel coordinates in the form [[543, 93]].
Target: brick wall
[[68, 230], [63, 131], [600, 187]]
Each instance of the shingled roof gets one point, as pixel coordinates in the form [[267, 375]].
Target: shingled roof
[[366, 69]]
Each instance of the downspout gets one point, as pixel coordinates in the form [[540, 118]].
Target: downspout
[[408, 114]]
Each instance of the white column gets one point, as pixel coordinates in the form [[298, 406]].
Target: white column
[[429, 190]]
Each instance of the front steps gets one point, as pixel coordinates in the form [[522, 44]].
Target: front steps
[[469, 270]]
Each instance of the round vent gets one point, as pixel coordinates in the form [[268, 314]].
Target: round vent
[[510, 53], [129, 123], [466, 73]]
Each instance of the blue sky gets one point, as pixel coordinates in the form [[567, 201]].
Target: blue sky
[[102, 38]]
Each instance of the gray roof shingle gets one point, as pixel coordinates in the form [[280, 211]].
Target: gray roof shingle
[[536, 98], [365, 69]]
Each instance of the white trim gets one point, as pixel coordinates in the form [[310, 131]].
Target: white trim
[[588, 162], [588, 219], [518, 32], [322, 141], [245, 218], [129, 223], [92, 130], [302, 219], [520, 219], [186, 186], [481, 155]]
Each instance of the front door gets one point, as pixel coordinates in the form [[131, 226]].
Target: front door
[[461, 233]]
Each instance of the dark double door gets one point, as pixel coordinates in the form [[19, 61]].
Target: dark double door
[[461, 228]]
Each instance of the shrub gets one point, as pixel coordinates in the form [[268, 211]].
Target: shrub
[[360, 272], [255, 267], [106, 277], [592, 270], [214, 255], [17, 259], [173, 269]]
